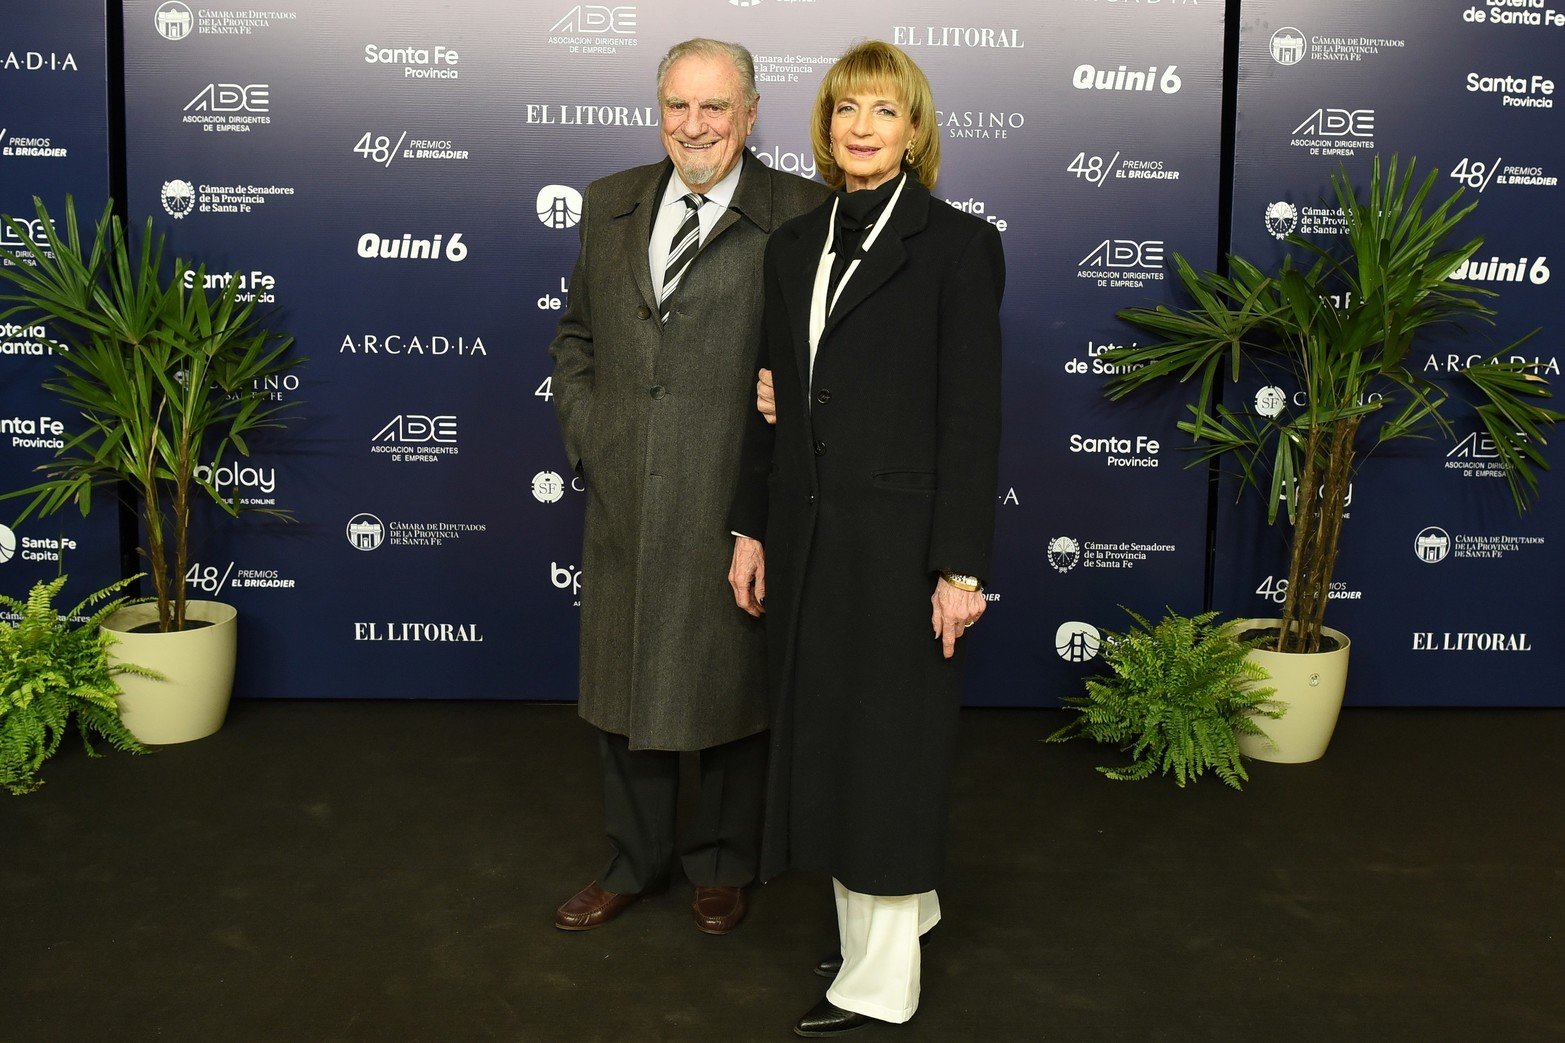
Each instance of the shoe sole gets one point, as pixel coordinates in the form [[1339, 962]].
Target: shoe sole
[[833, 1032], [589, 926]]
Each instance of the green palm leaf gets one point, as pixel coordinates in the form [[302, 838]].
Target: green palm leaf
[[163, 378]]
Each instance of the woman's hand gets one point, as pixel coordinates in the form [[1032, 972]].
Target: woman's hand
[[955, 610], [747, 575], [765, 399]]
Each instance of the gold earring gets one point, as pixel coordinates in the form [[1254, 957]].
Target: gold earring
[[910, 151]]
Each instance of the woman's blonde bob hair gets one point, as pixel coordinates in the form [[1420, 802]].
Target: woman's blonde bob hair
[[869, 68]]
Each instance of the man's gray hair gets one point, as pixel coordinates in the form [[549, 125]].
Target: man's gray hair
[[707, 48]]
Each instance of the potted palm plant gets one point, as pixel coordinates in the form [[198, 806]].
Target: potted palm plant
[[1343, 330], [166, 377]]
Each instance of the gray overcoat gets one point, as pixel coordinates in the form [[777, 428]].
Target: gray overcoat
[[653, 417]]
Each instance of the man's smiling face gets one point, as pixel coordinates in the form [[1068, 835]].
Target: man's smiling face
[[706, 118]]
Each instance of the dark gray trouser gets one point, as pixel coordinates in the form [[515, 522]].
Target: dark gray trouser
[[641, 803]]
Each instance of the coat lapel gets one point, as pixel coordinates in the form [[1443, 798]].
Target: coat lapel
[[637, 210], [884, 257], [752, 198], [797, 274]]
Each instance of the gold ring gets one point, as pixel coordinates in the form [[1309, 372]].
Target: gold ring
[[967, 626]]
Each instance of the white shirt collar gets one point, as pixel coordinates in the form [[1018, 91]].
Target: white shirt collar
[[721, 193]]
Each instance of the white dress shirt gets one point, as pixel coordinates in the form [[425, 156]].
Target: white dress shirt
[[671, 214]]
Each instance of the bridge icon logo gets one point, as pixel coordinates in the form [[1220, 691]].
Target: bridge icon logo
[[559, 206], [1078, 642]]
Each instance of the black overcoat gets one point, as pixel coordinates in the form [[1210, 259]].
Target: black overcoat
[[653, 416], [878, 474]]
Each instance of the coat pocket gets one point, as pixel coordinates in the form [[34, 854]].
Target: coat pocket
[[912, 481], [585, 435]]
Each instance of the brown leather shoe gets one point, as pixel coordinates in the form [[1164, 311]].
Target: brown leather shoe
[[591, 907], [718, 910]]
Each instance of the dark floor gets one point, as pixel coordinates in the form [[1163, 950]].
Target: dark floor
[[388, 871]]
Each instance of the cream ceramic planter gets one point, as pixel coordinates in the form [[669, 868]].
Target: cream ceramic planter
[[1312, 685], [198, 666]]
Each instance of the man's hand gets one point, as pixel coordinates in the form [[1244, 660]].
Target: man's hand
[[955, 610], [765, 399], [747, 575]]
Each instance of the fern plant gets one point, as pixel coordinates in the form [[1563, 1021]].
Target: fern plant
[[1180, 694], [52, 670]]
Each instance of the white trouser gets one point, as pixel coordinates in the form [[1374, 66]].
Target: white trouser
[[881, 960]]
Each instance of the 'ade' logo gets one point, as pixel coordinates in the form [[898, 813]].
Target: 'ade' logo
[[34, 228], [232, 97], [412, 427], [1328, 123], [1475, 446], [1125, 253], [597, 19]]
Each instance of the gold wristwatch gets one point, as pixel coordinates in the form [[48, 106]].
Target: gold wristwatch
[[960, 581]]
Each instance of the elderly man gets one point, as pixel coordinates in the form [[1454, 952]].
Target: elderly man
[[655, 364]]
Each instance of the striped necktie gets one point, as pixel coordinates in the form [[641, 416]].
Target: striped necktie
[[687, 241]]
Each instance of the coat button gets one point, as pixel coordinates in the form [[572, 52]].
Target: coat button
[[811, 498], [823, 396], [657, 391], [820, 448], [643, 312]]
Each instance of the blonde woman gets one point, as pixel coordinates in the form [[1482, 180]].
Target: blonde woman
[[867, 513]]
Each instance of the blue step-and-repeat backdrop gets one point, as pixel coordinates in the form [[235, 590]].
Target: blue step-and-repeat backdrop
[[400, 182], [54, 141], [1443, 586]]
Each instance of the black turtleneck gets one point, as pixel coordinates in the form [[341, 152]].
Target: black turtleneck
[[856, 215]]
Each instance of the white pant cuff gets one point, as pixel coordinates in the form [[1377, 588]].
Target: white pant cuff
[[870, 1010]]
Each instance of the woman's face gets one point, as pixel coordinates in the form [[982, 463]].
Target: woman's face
[[870, 133]]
